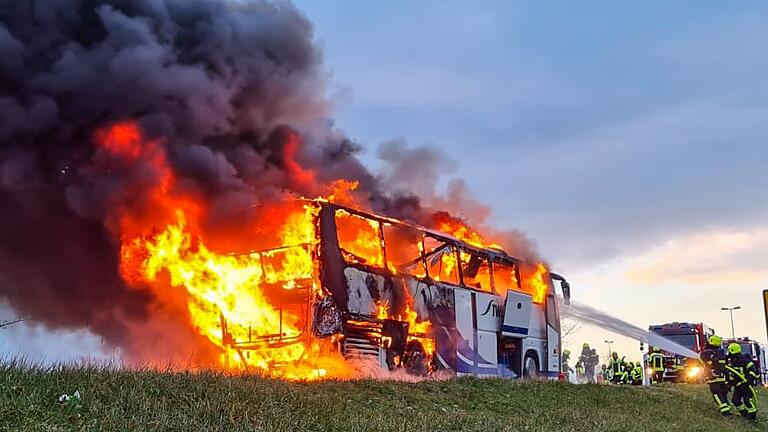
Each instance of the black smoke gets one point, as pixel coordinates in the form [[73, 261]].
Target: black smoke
[[221, 86]]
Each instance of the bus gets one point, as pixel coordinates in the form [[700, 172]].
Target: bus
[[406, 297]]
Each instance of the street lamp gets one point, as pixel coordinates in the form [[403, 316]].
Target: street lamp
[[609, 342], [731, 309]]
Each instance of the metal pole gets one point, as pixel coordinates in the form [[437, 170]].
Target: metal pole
[[609, 342], [730, 310], [733, 331]]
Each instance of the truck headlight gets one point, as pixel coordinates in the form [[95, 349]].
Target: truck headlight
[[694, 371]]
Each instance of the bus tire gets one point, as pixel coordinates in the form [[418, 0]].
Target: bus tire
[[530, 366], [415, 359]]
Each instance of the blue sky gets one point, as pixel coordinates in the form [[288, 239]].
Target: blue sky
[[627, 139]]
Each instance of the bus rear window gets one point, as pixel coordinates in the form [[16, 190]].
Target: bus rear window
[[359, 239]]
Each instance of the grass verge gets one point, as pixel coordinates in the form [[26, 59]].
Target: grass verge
[[193, 401]]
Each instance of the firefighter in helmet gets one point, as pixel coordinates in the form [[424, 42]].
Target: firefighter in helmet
[[656, 361], [715, 364], [580, 372], [616, 368], [625, 370], [566, 368], [636, 374], [605, 373], [743, 378], [588, 361]]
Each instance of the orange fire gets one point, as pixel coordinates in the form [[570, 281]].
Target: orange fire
[[239, 300]]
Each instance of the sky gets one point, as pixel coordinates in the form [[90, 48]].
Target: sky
[[628, 139]]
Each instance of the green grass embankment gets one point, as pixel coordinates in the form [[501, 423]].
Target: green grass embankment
[[150, 400]]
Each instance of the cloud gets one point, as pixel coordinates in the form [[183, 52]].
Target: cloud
[[718, 257]]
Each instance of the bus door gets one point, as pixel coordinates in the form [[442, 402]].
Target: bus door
[[553, 336], [477, 318]]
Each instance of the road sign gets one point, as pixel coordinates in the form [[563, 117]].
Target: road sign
[[765, 306]]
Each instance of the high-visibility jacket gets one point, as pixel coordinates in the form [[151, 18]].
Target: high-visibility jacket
[[742, 370], [656, 360], [617, 367], [715, 363]]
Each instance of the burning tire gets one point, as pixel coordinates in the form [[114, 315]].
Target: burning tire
[[415, 360]]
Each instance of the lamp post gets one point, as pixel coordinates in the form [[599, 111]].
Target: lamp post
[[609, 342], [730, 310]]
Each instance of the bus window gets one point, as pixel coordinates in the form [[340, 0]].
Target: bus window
[[441, 260], [402, 245], [504, 277], [535, 281], [476, 271], [359, 239], [287, 264]]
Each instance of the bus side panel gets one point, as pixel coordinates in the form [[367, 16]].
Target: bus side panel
[[436, 303], [536, 341]]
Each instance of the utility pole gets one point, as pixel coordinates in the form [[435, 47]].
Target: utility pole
[[609, 342], [731, 309]]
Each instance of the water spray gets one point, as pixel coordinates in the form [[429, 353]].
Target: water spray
[[592, 316]]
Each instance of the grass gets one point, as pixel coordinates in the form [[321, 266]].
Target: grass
[[193, 401]]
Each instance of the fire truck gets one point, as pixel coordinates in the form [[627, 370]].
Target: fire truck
[[406, 297], [756, 351], [677, 368]]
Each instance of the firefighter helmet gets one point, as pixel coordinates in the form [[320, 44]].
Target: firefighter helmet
[[715, 340], [734, 348], [586, 345], [567, 352]]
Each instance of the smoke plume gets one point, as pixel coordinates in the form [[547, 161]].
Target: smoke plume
[[230, 96]]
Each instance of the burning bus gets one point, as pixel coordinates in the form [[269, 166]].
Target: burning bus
[[342, 285]]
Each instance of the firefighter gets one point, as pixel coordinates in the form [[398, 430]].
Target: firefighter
[[605, 373], [580, 372], [594, 360], [565, 366], [625, 370], [715, 363], [616, 368], [588, 361], [636, 374], [656, 360], [743, 378]]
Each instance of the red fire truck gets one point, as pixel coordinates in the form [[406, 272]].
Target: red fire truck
[[692, 336], [755, 350]]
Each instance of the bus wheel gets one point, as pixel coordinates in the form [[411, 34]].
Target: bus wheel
[[415, 359], [530, 366]]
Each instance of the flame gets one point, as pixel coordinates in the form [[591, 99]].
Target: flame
[[459, 229], [536, 283], [245, 303]]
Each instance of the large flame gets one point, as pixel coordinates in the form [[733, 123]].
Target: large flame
[[236, 300]]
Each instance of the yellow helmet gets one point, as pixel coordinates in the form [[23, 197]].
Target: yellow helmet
[[586, 345], [715, 340], [566, 351], [734, 348]]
